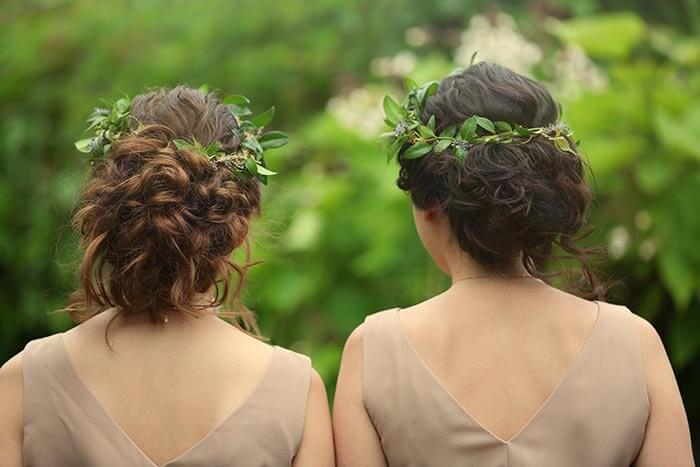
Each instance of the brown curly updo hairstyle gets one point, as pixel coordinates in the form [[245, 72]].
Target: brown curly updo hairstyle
[[526, 201], [159, 224]]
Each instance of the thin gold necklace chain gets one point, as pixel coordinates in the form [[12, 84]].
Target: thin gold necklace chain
[[492, 276]]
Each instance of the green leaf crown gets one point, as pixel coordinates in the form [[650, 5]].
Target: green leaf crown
[[417, 138], [112, 122]]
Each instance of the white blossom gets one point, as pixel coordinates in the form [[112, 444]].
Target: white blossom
[[400, 64], [497, 41], [574, 72], [619, 241], [647, 249], [416, 36], [359, 110]]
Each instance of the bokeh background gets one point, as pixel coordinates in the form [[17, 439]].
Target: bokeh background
[[336, 235]]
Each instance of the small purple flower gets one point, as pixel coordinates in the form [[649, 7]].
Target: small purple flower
[[461, 144], [560, 128], [400, 129]]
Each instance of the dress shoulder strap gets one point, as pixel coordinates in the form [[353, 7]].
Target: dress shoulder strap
[[619, 345], [384, 369], [44, 372], [284, 394]]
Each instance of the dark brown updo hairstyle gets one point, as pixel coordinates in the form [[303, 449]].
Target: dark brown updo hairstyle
[[506, 202], [159, 224]]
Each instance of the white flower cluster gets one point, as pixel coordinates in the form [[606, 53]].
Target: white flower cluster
[[621, 238], [497, 41], [574, 72], [360, 110], [401, 64]]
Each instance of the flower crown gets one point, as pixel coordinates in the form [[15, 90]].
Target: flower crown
[[112, 122], [408, 128]]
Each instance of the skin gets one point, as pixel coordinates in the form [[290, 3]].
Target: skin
[[204, 387], [501, 332]]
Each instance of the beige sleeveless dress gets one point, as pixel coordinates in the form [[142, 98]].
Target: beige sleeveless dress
[[595, 417], [65, 425]]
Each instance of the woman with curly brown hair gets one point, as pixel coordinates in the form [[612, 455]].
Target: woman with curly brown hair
[[152, 375], [502, 369]]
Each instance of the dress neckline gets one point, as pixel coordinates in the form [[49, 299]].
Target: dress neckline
[[565, 378], [90, 398]]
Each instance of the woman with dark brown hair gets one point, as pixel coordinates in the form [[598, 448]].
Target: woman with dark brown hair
[[502, 369], [152, 376]]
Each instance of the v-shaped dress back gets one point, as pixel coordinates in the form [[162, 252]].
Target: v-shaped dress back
[[596, 416], [65, 425]]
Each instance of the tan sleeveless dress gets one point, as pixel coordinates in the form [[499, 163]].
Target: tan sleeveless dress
[[65, 425], [595, 417]]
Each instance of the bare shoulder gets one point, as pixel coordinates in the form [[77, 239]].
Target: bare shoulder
[[11, 408], [656, 362], [316, 448], [353, 344], [11, 373], [355, 341], [11, 389], [317, 391], [650, 339]]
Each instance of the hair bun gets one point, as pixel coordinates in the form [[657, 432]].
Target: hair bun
[[504, 202], [158, 223]]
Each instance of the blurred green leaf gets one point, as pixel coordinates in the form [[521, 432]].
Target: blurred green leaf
[[273, 139], [417, 150], [264, 118], [609, 36]]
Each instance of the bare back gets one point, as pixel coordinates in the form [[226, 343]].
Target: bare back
[[525, 337], [199, 370], [191, 392]]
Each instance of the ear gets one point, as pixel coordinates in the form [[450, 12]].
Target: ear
[[430, 214]]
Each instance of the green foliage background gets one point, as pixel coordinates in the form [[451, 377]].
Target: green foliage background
[[336, 236]]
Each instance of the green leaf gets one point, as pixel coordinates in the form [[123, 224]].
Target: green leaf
[[203, 88], [521, 131], [468, 129], [273, 139], [502, 126], [562, 144], [236, 99], [182, 144], [486, 124], [684, 344], [678, 276], [213, 148], [410, 84], [449, 132], [431, 88], [418, 150], [681, 134], [264, 118], [393, 150], [262, 170], [425, 132], [239, 111], [610, 36], [250, 165], [431, 122], [425, 91], [122, 105], [392, 110], [247, 125], [84, 145], [253, 145], [441, 146]]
